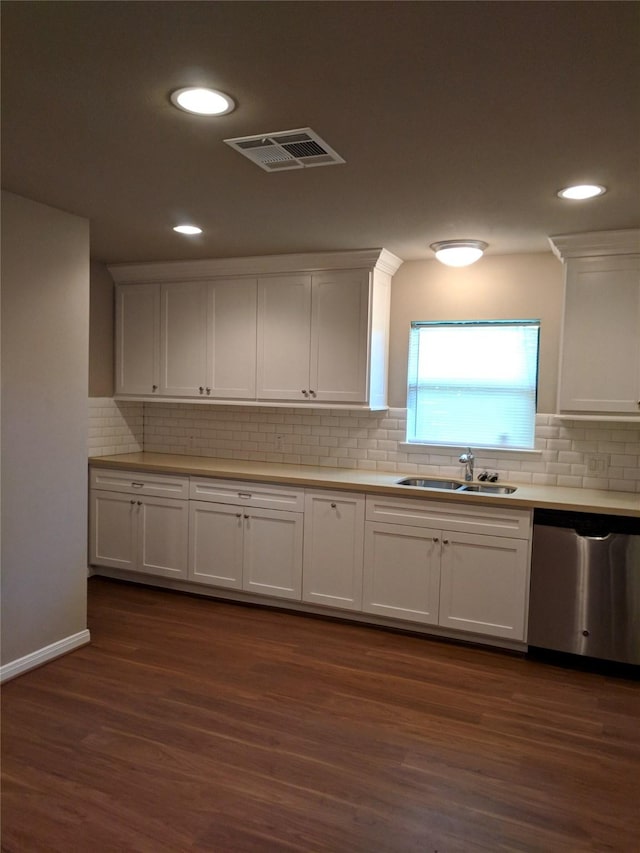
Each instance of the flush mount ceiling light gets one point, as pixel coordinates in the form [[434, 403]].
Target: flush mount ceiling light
[[459, 253], [187, 229], [579, 192], [202, 102]]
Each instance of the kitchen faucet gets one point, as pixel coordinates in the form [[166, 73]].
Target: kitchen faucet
[[467, 460]]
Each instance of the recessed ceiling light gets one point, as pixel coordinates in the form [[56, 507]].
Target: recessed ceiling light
[[203, 102], [580, 192], [187, 229], [459, 253]]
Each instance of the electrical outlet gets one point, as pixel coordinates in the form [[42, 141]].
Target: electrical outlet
[[279, 440], [597, 463]]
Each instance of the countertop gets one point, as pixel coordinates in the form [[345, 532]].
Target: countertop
[[378, 482]]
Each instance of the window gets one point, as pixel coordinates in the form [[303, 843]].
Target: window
[[473, 383]]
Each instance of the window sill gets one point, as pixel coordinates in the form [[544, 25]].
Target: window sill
[[455, 449]]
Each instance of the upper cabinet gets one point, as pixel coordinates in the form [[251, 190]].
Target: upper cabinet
[[309, 330], [313, 337], [600, 352], [138, 339]]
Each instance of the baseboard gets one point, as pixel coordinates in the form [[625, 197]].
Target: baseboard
[[44, 655]]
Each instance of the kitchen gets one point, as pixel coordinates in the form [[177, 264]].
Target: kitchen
[[46, 606]]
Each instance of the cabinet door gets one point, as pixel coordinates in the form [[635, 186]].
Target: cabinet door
[[402, 572], [339, 336], [273, 553], [112, 535], [333, 549], [215, 544], [231, 354], [163, 527], [284, 329], [601, 339], [137, 338], [483, 586], [183, 340]]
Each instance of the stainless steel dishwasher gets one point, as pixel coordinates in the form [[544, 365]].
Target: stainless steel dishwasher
[[585, 585]]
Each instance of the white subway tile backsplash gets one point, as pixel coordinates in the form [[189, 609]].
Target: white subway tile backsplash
[[373, 441]]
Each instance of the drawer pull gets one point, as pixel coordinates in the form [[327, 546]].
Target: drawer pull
[[244, 494], [137, 485]]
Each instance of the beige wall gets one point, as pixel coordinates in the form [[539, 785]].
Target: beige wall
[[45, 323], [101, 324], [497, 287]]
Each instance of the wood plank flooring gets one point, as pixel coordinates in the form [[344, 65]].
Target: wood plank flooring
[[190, 724]]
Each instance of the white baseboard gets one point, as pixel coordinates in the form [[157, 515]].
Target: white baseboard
[[43, 655]]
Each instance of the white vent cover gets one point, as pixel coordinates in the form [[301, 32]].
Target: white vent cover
[[287, 149]]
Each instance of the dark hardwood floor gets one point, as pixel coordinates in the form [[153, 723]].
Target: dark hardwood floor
[[190, 724]]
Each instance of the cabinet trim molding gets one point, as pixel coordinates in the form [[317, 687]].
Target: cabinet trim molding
[[596, 243], [202, 270]]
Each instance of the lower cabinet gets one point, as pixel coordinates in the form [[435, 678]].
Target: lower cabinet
[[245, 545], [333, 549], [461, 566], [402, 572], [445, 576], [142, 533]]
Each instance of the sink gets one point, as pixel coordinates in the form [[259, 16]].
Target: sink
[[489, 489], [422, 483]]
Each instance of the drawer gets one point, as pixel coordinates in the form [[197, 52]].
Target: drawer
[[241, 493], [460, 517], [140, 483]]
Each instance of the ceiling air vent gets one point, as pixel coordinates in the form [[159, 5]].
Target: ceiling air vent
[[288, 149]]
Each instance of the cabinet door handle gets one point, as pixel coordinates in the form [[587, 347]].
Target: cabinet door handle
[[435, 539], [333, 506], [208, 390], [132, 503], [238, 515], [313, 393], [139, 503], [445, 541], [201, 389], [246, 516], [154, 387], [306, 393]]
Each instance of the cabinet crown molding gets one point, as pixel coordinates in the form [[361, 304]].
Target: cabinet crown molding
[[596, 244], [200, 270]]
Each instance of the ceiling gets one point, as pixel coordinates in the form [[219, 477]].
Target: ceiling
[[455, 119]]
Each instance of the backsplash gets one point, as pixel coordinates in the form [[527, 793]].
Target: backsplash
[[114, 426], [366, 441]]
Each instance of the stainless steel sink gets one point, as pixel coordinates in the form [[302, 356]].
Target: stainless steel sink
[[488, 489], [422, 483], [457, 486]]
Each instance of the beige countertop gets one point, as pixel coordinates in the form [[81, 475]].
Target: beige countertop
[[378, 482]]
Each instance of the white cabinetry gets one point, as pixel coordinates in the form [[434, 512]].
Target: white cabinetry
[[205, 343], [138, 339], [463, 567], [283, 329], [333, 549], [313, 337], [139, 522], [246, 536], [600, 357], [231, 341], [183, 339]]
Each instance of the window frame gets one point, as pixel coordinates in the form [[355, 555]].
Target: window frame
[[417, 443]]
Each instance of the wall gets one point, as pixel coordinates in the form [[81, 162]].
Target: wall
[[45, 322], [102, 327], [499, 287]]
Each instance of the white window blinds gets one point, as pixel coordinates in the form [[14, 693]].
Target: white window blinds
[[473, 383]]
